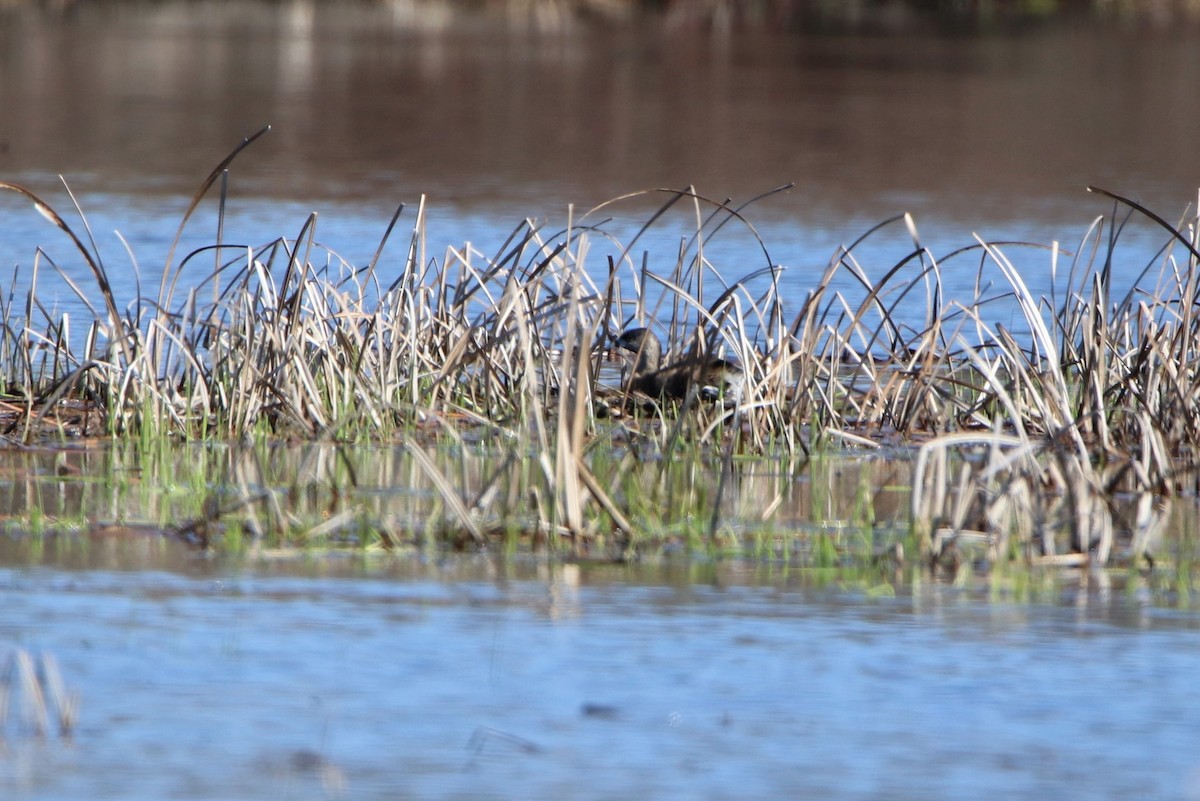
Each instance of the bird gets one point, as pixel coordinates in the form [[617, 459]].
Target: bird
[[642, 350]]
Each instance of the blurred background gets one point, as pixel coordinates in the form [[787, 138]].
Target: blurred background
[[715, 679], [987, 117]]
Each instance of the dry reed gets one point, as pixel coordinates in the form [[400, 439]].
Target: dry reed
[[1025, 443]]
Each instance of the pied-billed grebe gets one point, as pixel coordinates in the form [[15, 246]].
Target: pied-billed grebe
[[648, 375]]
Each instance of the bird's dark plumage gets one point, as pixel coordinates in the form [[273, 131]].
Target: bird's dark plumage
[[648, 375]]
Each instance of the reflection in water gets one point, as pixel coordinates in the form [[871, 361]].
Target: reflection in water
[[368, 105], [110, 505], [716, 679], [834, 520], [451, 681], [376, 105]]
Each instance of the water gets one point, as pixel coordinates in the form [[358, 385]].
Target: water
[[373, 106], [480, 680], [477, 679]]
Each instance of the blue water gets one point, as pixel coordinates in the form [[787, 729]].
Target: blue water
[[551, 683], [476, 680], [350, 233], [373, 105]]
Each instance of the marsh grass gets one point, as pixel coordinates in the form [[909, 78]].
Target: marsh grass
[[1063, 441]]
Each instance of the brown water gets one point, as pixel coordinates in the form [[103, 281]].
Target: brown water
[[372, 104], [375, 105], [490, 679]]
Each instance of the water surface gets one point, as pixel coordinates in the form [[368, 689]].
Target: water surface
[[377, 105], [483, 680]]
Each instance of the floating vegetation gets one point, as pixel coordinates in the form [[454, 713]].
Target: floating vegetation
[[1064, 439]]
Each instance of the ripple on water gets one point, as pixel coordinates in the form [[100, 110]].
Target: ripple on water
[[244, 685]]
